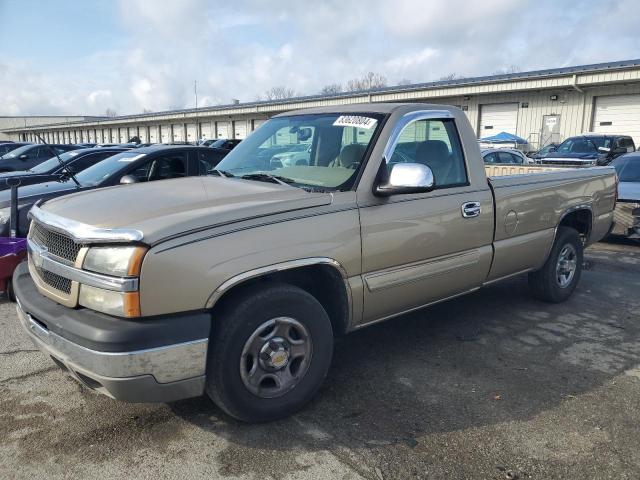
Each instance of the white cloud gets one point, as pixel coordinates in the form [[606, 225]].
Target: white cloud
[[243, 48]]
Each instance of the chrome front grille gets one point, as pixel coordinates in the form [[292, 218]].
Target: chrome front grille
[[56, 243]]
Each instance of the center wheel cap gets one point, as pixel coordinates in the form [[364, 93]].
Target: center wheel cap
[[274, 354]]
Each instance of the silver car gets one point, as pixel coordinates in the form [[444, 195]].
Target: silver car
[[627, 212], [505, 156]]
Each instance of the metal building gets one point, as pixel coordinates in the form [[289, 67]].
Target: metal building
[[541, 106]]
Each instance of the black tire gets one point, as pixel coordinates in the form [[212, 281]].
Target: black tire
[[545, 283], [240, 317], [11, 295]]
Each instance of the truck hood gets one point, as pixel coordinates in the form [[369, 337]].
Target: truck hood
[[629, 191], [175, 207]]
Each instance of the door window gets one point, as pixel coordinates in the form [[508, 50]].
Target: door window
[[506, 157], [434, 143], [207, 160], [162, 168]]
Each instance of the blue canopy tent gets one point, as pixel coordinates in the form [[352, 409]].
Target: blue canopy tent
[[504, 137]]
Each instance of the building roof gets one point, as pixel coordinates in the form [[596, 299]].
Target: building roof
[[460, 82]]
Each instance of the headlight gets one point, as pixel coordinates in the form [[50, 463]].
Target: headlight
[[119, 304], [116, 261]]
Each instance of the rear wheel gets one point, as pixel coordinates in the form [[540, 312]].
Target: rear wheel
[[558, 278], [269, 353]]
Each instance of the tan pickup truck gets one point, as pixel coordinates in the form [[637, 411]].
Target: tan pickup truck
[[321, 222]]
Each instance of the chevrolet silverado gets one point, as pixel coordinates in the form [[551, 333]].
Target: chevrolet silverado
[[235, 284]]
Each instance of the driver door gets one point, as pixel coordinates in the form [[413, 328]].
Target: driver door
[[424, 247]]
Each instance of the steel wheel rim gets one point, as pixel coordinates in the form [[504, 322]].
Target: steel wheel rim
[[276, 357], [566, 266]]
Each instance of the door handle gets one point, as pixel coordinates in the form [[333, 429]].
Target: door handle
[[471, 209]]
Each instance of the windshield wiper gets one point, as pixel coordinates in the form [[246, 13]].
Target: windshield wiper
[[64, 166], [221, 173], [262, 177]]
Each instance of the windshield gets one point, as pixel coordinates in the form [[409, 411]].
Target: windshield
[[51, 164], [628, 169], [99, 172], [584, 144], [17, 152], [323, 151]]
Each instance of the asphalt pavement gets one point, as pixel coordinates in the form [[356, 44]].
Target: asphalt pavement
[[494, 385]]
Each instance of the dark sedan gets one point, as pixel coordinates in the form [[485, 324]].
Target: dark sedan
[[28, 156], [7, 147], [224, 143], [132, 166], [74, 161]]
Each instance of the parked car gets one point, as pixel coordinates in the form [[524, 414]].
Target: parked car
[[28, 156], [589, 149], [627, 213], [131, 166], [74, 161], [86, 145], [537, 155], [236, 284], [224, 143], [505, 156], [9, 146]]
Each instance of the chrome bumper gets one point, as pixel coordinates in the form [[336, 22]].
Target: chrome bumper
[[160, 374]]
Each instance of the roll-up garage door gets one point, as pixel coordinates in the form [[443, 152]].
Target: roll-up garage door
[[240, 129], [142, 133], [192, 134], [205, 130], [500, 117], [165, 133], [223, 130], [133, 132], [153, 134], [618, 114], [92, 136], [123, 135], [178, 132], [114, 136]]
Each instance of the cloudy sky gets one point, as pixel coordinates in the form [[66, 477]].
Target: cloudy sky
[[84, 57]]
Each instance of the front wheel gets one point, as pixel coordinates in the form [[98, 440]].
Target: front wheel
[[559, 276], [270, 352]]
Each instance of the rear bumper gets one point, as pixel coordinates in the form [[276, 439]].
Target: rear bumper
[[151, 373]]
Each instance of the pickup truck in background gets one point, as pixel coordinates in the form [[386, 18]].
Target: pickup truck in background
[[236, 284], [588, 149]]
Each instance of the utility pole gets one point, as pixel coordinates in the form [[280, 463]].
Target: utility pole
[[195, 93]]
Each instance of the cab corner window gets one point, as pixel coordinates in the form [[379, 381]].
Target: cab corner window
[[434, 143]]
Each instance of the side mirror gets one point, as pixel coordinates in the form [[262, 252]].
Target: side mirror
[[128, 179], [407, 178], [24, 156], [604, 150]]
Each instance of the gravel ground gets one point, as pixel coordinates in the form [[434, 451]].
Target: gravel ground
[[491, 386]]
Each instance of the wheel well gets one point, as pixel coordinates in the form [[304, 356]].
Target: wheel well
[[579, 220], [324, 282]]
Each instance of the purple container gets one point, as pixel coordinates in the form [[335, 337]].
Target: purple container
[[12, 246]]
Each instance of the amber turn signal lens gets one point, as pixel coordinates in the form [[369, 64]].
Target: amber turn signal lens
[[135, 264], [131, 304]]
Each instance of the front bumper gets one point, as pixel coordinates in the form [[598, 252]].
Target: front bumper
[[143, 361]]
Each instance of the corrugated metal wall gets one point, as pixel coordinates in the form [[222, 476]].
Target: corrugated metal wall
[[574, 107]]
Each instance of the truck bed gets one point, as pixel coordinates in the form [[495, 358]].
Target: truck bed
[[529, 205]]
